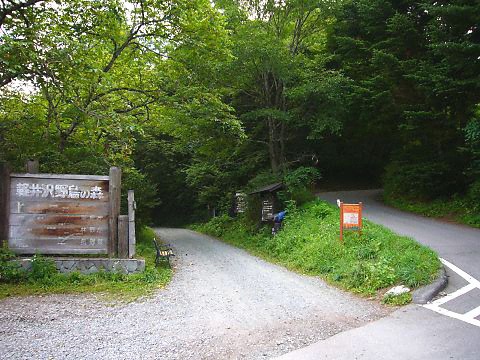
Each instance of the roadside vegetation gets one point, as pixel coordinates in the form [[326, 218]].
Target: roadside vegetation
[[44, 278], [309, 243], [465, 210]]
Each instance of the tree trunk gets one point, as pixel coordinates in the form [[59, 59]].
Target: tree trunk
[[272, 145]]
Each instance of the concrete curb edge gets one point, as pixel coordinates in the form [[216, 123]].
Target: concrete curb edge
[[426, 293]]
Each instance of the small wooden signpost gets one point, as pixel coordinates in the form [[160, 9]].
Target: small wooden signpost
[[240, 202], [350, 218], [269, 200]]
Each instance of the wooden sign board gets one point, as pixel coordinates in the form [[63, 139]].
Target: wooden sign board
[[267, 210], [350, 217], [240, 202], [58, 214]]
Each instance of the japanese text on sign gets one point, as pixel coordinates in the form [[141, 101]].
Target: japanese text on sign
[[350, 217], [59, 191]]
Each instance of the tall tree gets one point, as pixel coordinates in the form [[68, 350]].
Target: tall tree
[[272, 43]]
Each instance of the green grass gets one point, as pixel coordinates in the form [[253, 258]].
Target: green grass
[[398, 300], [457, 209], [44, 278], [309, 243]]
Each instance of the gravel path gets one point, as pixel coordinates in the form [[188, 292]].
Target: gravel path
[[221, 304]]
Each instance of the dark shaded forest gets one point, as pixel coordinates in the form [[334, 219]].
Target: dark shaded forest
[[196, 100]]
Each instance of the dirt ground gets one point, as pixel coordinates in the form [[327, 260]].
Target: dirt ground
[[221, 304]]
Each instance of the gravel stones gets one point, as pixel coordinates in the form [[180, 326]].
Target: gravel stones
[[221, 304]]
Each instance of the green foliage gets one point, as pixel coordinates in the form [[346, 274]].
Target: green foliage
[[217, 225], [474, 195], [44, 278], [127, 76], [145, 190], [300, 183], [192, 99], [10, 272], [458, 208], [426, 180], [43, 269], [472, 137], [309, 242], [398, 300], [301, 177]]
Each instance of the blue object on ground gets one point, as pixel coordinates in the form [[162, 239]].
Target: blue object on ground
[[280, 216]]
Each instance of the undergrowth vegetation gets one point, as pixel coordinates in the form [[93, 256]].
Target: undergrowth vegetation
[[309, 243], [44, 278], [462, 209]]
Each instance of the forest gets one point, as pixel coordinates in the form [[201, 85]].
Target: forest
[[198, 99]]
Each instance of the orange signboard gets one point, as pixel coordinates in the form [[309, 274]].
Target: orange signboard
[[350, 217]]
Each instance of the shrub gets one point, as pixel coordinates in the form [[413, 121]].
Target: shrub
[[301, 177], [10, 272], [299, 183], [42, 268], [426, 180], [474, 195]]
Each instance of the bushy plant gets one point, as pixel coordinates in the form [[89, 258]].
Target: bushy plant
[[426, 180], [398, 300], [10, 272], [42, 268], [472, 139], [301, 177], [474, 195], [299, 184], [217, 225]]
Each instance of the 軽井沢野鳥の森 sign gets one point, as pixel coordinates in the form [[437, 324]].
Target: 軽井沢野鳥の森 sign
[[58, 214], [350, 217]]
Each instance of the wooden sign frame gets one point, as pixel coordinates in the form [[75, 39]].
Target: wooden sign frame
[[61, 214], [350, 218]]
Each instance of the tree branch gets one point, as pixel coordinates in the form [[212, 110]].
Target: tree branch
[[9, 10]]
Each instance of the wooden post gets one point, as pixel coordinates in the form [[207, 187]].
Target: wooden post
[[123, 236], [32, 166], [131, 223], [341, 222], [4, 201], [114, 190], [360, 223]]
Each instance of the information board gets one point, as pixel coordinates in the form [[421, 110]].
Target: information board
[[350, 217], [240, 202], [267, 210], [58, 214]]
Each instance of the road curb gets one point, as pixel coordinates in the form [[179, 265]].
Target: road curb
[[426, 293]]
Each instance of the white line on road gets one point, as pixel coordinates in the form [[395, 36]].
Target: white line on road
[[473, 313], [462, 273], [454, 295], [452, 314], [473, 283]]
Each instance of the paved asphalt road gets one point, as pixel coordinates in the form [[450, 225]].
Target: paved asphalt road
[[449, 328]]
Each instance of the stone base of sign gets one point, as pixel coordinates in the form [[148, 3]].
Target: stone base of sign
[[92, 265]]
